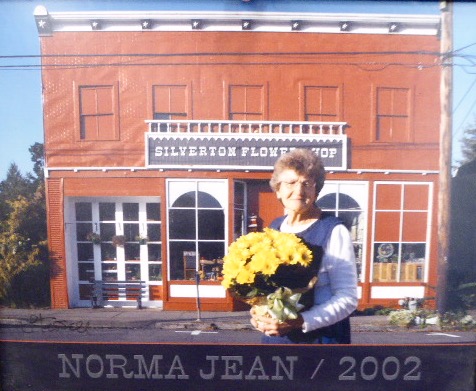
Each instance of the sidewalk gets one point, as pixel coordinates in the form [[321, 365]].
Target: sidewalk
[[156, 318]]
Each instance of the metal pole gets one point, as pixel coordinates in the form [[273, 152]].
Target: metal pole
[[197, 280], [444, 189]]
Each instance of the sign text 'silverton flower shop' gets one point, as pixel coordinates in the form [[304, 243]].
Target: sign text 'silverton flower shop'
[[162, 128]]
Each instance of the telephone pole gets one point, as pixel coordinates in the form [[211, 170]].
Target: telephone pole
[[444, 189]]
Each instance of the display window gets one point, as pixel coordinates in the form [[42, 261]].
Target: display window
[[401, 231], [197, 235], [348, 201]]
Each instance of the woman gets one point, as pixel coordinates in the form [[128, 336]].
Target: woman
[[297, 179]]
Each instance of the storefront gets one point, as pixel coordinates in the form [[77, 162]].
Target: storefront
[[154, 168]]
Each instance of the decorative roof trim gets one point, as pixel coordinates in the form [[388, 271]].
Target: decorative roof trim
[[49, 23]]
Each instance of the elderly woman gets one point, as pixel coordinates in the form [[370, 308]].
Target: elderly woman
[[297, 179]]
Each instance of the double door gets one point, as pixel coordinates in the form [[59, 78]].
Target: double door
[[116, 240]]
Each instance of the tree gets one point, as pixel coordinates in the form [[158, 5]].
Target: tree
[[23, 256], [13, 186], [24, 266], [38, 158], [468, 147]]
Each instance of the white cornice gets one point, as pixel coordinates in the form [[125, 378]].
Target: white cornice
[[232, 21]]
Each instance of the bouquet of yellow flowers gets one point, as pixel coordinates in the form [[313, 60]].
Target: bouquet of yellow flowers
[[270, 270]]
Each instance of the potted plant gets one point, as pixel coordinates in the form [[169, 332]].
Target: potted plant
[[93, 237], [141, 239], [118, 240]]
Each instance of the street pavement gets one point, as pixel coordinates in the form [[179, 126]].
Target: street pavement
[[160, 319]]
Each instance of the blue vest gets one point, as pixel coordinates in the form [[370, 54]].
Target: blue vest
[[315, 237]]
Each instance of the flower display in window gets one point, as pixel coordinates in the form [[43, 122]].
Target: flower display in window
[[118, 240], [93, 237], [142, 239]]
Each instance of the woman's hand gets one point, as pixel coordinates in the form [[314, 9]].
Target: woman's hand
[[272, 327]]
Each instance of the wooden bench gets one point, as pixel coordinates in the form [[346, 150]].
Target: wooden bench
[[117, 290]]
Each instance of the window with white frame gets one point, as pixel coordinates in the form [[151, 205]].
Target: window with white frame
[[196, 227], [348, 201], [401, 222]]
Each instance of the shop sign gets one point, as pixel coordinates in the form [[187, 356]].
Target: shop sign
[[135, 366], [248, 152]]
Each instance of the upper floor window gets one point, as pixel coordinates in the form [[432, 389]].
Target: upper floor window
[[169, 102], [98, 113], [246, 102], [393, 115], [321, 103]]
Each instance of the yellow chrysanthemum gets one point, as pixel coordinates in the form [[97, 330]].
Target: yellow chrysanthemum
[[260, 254], [264, 262], [245, 276]]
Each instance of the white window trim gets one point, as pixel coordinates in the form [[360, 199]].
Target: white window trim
[[70, 240], [429, 210], [365, 211], [222, 199]]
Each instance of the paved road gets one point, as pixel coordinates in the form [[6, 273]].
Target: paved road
[[216, 336]]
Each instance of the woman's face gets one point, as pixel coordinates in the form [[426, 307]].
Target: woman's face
[[296, 192]]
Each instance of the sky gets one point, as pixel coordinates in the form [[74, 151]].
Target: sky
[[21, 121]]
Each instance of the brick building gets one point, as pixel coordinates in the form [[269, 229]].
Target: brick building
[[161, 129]]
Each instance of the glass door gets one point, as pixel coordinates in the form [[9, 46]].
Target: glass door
[[116, 240]]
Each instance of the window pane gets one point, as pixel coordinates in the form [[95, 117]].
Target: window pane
[[386, 252], [239, 226], [106, 129], [414, 227], [413, 259], [153, 211], [182, 224], [82, 231], [109, 272], [153, 232], [239, 194], [185, 201], [89, 128], [385, 262], [205, 200], [211, 250], [385, 272], [155, 252], [108, 230], [83, 211], [400, 101], [88, 100], [105, 100], [132, 272], [132, 251], [388, 197], [155, 272], [177, 265], [107, 211], [387, 226], [131, 231], [354, 223], [416, 197], [108, 252], [130, 211], [178, 99], [85, 252], [358, 260], [211, 224], [86, 271], [328, 202]]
